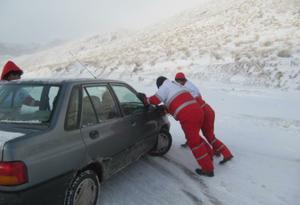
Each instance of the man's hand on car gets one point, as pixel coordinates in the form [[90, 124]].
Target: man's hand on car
[[142, 97]]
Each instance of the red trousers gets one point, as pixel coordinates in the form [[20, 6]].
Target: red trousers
[[191, 119], [208, 131]]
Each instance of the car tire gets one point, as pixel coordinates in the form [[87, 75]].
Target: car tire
[[163, 145], [84, 189]]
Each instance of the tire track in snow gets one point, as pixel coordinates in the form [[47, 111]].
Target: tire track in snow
[[163, 170], [196, 178], [194, 198], [204, 188]]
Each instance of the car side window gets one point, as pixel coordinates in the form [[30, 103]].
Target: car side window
[[88, 112], [129, 102], [72, 116], [103, 102]]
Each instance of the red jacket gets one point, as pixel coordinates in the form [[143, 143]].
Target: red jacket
[[174, 96], [10, 67]]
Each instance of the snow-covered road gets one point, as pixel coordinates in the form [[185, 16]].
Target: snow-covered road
[[261, 127]]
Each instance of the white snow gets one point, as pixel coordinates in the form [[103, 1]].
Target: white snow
[[247, 42], [237, 52], [262, 129], [20, 121], [6, 136]]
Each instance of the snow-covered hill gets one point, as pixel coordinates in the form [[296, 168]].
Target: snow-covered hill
[[242, 42], [249, 42], [8, 49]]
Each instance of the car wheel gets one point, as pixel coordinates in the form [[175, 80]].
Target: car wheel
[[83, 189], [163, 145]]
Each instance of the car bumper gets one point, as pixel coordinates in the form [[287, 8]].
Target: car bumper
[[49, 193]]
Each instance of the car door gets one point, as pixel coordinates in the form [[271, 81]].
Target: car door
[[107, 135], [142, 120]]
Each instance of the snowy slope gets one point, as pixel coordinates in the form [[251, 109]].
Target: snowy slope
[[264, 139], [241, 42], [244, 42], [262, 129]]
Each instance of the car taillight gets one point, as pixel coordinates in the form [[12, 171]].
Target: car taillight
[[13, 173]]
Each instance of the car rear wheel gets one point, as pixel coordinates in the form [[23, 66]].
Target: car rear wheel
[[163, 145], [83, 190]]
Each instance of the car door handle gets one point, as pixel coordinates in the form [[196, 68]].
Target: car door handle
[[133, 123], [94, 134]]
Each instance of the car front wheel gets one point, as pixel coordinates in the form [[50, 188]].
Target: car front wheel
[[83, 189], [163, 145]]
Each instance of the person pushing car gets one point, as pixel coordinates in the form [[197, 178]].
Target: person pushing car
[[184, 108], [209, 119]]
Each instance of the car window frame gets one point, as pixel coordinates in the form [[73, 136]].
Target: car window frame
[[107, 85], [119, 104], [79, 110], [55, 105]]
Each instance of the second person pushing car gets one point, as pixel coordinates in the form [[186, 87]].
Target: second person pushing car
[[184, 108]]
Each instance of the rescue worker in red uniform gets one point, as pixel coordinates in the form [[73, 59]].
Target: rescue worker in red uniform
[[209, 119], [11, 71], [184, 108]]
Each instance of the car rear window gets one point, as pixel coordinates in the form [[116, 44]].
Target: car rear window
[[27, 103]]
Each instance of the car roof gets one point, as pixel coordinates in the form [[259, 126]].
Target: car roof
[[54, 81]]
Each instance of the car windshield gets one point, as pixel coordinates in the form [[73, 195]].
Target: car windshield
[[21, 103]]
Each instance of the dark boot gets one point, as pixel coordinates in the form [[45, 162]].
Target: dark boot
[[184, 145], [217, 154], [226, 160], [202, 173]]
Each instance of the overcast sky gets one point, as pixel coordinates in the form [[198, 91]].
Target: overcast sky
[[42, 21]]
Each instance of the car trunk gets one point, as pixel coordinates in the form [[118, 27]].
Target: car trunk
[[12, 131]]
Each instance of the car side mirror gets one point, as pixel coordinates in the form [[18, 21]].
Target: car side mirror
[[142, 97], [162, 110]]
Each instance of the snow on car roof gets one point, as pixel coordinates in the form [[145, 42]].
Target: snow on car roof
[[60, 81], [6, 136]]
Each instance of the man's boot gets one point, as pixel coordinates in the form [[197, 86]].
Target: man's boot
[[226, 160], [184, 145], [203, 173]]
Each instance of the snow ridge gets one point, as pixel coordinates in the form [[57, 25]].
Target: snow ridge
[[247, 42]]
